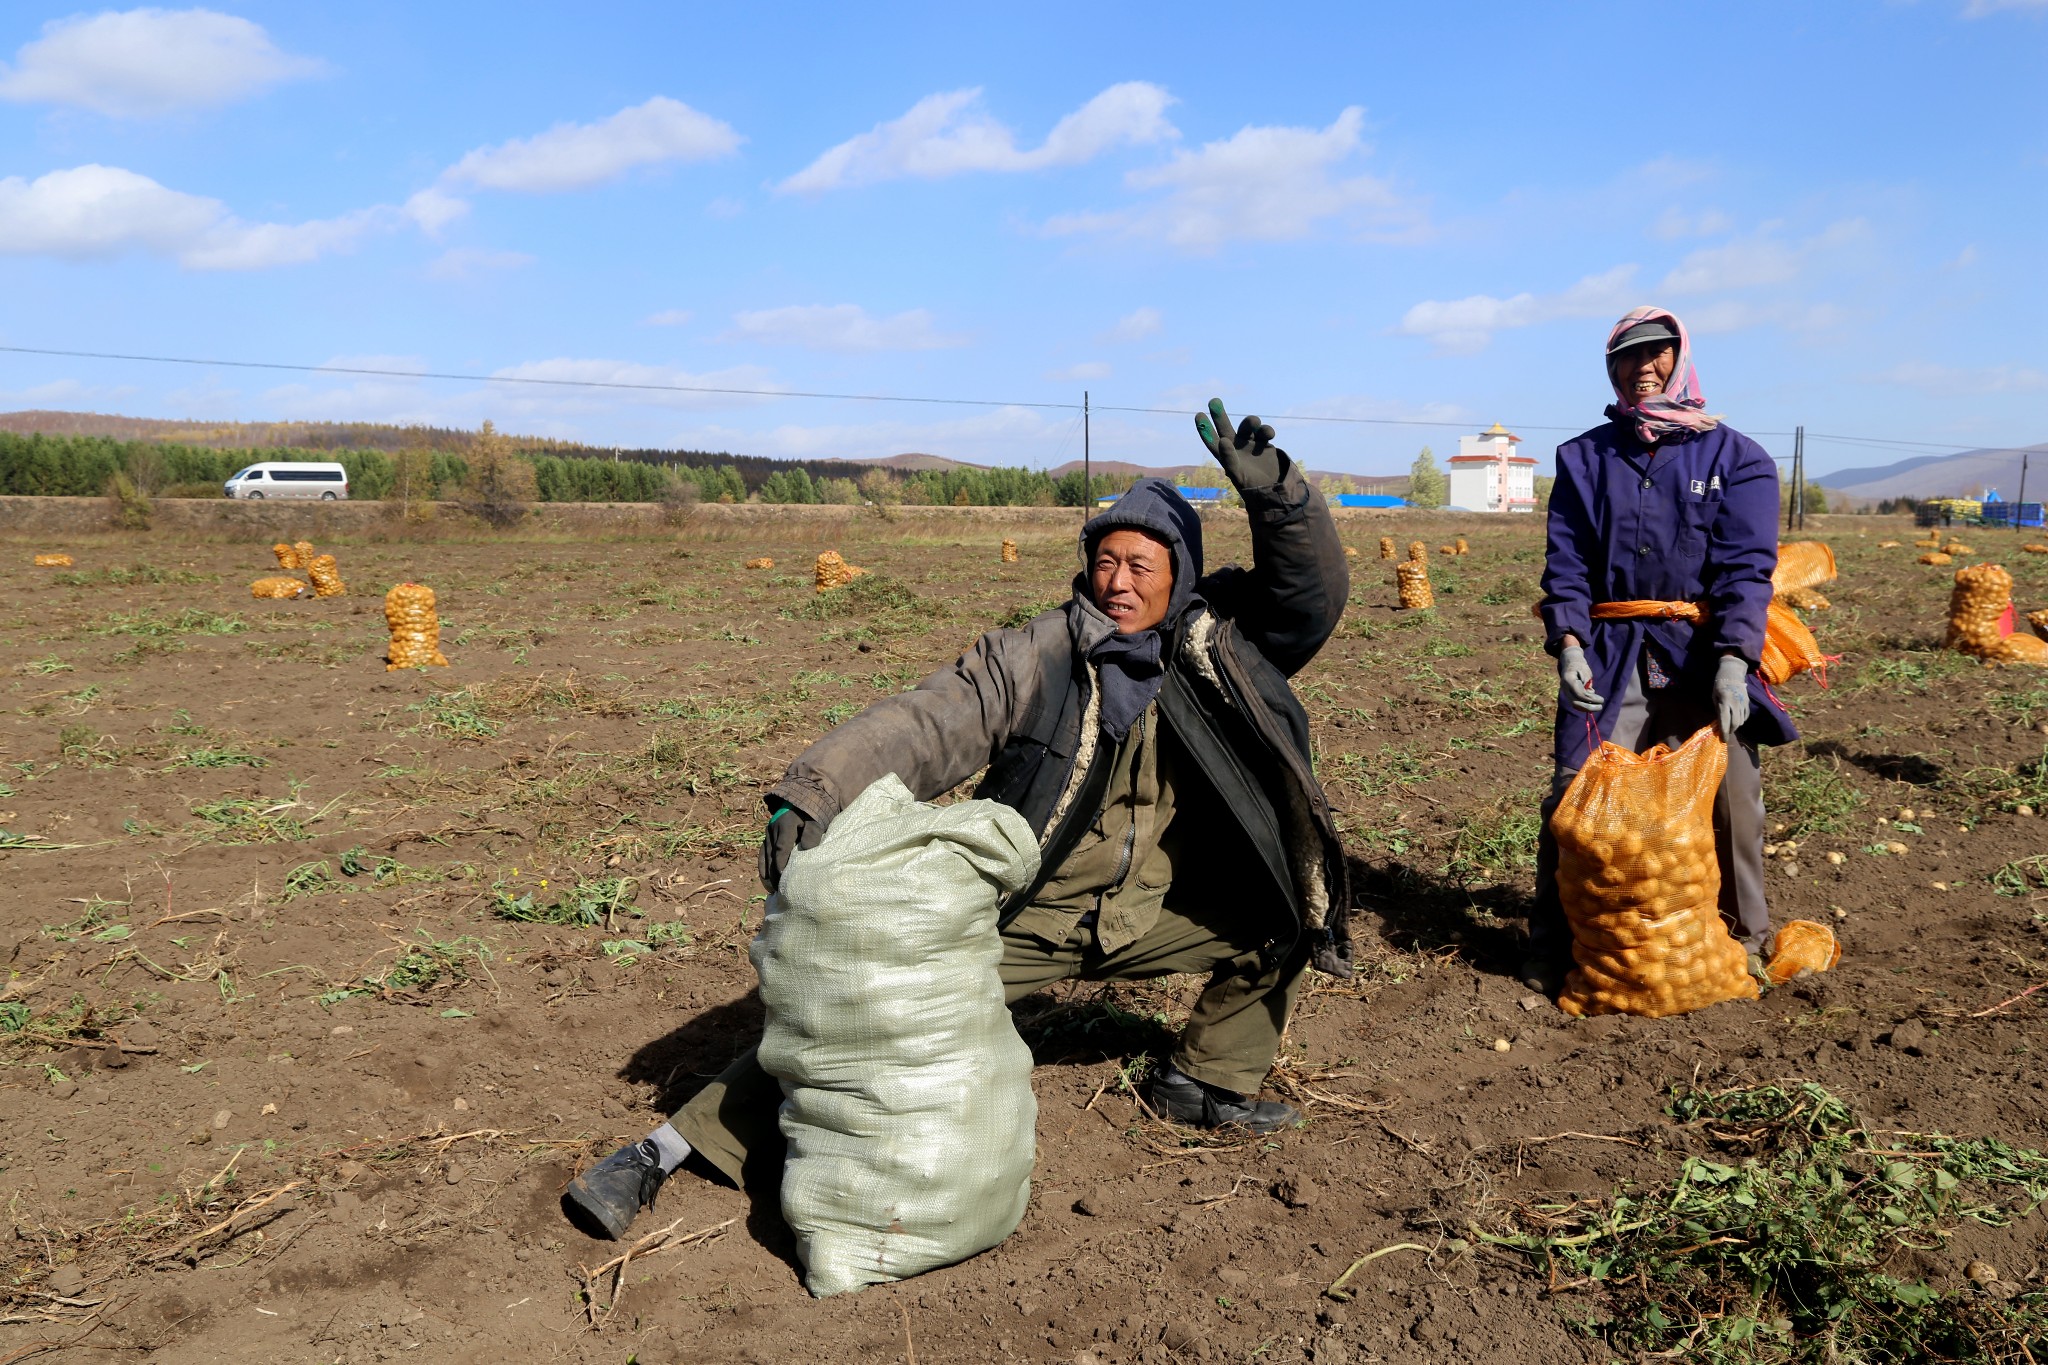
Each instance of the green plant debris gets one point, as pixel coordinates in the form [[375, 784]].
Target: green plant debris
[[2022, 876], [159, 625], [218, 758], [597, 901], [1785, 1246], [456, 715], [255, 819], [420, 968], [1813, 798]]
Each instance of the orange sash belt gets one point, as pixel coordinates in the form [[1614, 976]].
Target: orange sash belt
[[1670, 611]]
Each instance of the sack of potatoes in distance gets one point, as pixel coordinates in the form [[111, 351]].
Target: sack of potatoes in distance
[[1641, 885]]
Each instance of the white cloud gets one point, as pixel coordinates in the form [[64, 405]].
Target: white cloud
[[144, 62], [1135, 325], [1263, 184], [1673, 223], [841, 327], [464, 262], [1980, 9], [667, 317], [1947, 381], [659, 385], [1963, 259], [574, 156], [433, 209], [1468, 324], [1757, 260], [997, 436], [950, 134], [1081, 373], [98, 211]]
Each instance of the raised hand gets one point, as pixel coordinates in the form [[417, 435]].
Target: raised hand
[[1248, 455]]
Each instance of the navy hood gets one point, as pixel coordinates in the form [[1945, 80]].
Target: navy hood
[[1155, 506]]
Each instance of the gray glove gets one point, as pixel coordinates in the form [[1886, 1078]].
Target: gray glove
[[1577, 677], [1249, 457], [1731, 693], [789, 829]]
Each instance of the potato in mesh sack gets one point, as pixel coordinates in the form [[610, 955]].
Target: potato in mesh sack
[[2037, 621], [305, 551], [832, 571], [1418, 553], [287, 557], [1980, 618], [1386, 547], [278, 588], [1416, 593], [1937, 557], [55, 561], [326, 576], [763, 562], [1640, 884], [907, 1104], [415, 628], [1009, 552], [1802, 564], [2034, 548]]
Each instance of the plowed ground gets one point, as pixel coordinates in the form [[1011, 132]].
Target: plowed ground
[[256, 940]]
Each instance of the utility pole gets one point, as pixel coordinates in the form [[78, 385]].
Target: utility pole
[[1799, 476], [2019, 504], [1087, 462]]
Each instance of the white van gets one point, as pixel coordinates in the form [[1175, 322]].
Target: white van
[[322, 479]]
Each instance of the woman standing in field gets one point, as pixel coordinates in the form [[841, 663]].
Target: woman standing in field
[[1665, 504]]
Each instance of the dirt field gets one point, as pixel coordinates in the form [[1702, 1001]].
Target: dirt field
[[258, 941]]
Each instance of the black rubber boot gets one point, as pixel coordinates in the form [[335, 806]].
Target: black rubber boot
[[605, 1199], [1187, 1100]]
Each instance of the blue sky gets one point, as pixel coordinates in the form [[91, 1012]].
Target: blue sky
[[1428, 213]]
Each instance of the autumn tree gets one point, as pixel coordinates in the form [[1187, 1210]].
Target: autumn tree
[[500, 488]]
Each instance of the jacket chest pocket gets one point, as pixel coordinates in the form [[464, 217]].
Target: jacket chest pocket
[[1696, 523]]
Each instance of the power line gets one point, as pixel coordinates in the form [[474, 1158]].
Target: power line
[[530, 379], [734, 391]]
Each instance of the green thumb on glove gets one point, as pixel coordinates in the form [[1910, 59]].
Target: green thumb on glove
[[1248, 456]]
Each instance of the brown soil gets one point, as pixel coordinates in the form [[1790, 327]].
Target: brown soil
[[614, 710]]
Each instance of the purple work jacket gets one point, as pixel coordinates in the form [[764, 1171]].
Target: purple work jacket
[[1694, 519]]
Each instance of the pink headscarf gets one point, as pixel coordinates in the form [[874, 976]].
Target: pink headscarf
[[1680, 408]]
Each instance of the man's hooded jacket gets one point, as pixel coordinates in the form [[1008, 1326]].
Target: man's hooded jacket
[[1026, 705]]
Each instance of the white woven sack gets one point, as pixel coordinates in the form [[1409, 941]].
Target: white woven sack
[[907, 1092]]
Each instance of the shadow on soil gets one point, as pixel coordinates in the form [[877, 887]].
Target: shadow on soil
[[1914, 769], [1416, 911]]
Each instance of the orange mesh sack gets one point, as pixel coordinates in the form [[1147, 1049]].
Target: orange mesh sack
[[1937, 557], [415, 628], [2019, 649], [56, 561], [287, 557], [1640, 886], [1804, 599], [1979, 599], [1460, 547], [1416, 594], [2034, 549], [1386, 547], [2038, 620], [1009, 552], [304, 550], [1802, 946], [280, 588], [1956, 547], [832, 571], [326, 576], [1447, 549], [1802, 564], [1789, 647], [764, 562], [1418, 553]]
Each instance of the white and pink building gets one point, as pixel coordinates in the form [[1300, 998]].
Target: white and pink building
[[1488, 475]]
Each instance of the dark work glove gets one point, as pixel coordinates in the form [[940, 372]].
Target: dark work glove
[[1577, 677], [789, 829], [1249, 456], [1731, 693]]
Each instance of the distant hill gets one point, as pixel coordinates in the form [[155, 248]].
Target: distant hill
[[253, 435], [1943, 476]]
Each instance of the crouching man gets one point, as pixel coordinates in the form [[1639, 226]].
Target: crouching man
[[1147, 732]]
